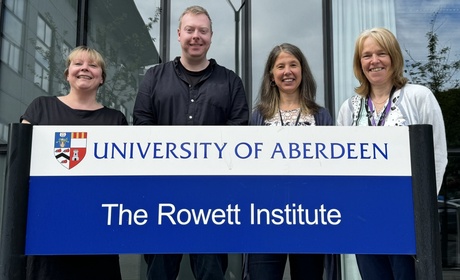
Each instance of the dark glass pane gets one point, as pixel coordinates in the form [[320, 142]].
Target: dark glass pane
[[118, 31], [21, 52]]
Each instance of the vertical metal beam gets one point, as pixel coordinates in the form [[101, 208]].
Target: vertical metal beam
[[82, 23], [237, 43], [3, 149], [328, 57], [334, 260], [237, 34], [428, 264], [2, 15], [246, 53], [165, 26], [14, 219]]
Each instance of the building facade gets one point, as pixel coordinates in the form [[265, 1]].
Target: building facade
[[134, 35]]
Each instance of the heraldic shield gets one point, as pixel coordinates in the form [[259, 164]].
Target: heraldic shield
[[70, 148]]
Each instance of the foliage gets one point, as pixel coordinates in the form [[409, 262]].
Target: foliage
[[122, 76], [50, 55], [438, 72], [121, 87], [155, 19]]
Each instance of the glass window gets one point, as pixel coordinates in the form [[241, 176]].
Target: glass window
[[119, 32], [64, 86], [441, 19], [10, 55], [16, 6], [43, 54], [13, 28], [449, 214], [27, 28], [11, 40], [298, 23], [44, 32], [350, 18], [223, 25], [41, 77], [3, 133]]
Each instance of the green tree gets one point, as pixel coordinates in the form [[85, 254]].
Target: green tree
[[438, 72], [55, 58], [121, 86]]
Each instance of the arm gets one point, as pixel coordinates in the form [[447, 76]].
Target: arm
[[256, 118], [239, 112], [144, 111], [345, 115], [431, 114], [33, 113], [323, 117]]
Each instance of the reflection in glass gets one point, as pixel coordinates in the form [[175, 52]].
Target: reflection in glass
[[16, 6], [117, 30], [13, 28]]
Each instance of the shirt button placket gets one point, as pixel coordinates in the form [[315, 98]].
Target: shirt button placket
[[191, 107]]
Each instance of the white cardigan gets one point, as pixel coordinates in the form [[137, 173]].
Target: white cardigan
[[412, 104]]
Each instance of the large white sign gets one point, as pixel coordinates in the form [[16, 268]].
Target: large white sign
[[219, 150], [211, 189]]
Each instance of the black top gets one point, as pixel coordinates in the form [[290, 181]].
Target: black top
[[49, 110], [166, 97]]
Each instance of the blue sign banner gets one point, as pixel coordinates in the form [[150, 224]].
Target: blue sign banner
[[217, 214], [220, 189]]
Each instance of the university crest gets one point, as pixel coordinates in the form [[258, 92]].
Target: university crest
[[70, 148]]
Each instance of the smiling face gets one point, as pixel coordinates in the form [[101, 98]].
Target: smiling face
[[194, 35], [287, 73], [376, 63], [84, 73]]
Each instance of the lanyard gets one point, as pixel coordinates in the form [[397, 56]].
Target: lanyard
[[370, 110], [296, 121]]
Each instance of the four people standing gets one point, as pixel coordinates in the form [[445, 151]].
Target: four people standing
[[195, 90]]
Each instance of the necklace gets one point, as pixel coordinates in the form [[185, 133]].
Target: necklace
[[296, 121], [375, 102]]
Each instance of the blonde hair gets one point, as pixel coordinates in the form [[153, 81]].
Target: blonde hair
[[196, 10], [94, 55], [387, 41]]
